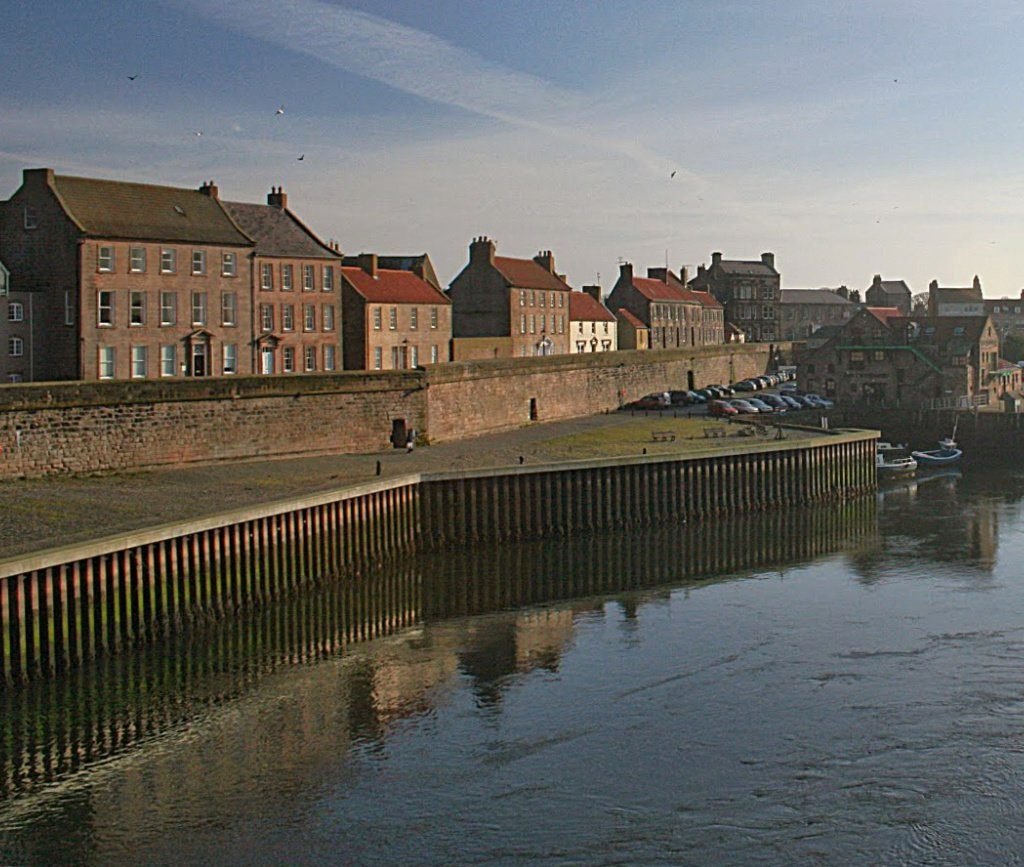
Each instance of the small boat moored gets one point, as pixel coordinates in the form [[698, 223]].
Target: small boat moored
[[894, 466], [946, 455]]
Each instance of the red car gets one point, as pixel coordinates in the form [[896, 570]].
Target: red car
[[721, 408]]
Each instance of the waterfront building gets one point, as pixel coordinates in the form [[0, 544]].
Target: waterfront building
[[804, 311], [592, 327], [295, 287], [520, 306], [118, 280], [889, 293], [749, 291], [955, 301], [394, 318]]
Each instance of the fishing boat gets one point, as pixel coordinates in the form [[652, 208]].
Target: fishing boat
[[946, 455], [894, 466]]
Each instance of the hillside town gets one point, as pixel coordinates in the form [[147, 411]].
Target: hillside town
[[111, 280]]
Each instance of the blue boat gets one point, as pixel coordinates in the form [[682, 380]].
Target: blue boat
[[946, 455]]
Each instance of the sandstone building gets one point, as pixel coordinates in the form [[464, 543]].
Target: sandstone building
[[750, 291]]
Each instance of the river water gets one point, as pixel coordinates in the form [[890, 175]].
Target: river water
[[841, 684]]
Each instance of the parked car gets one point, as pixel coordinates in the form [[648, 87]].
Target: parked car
[[745, 385], [680, 398], [721, 408], [819, 401], [774, 401], [804, 402], [743, 405], [791, 401], [760, 404], [657, 400], [708, 394], [695, 397], [788, 386]]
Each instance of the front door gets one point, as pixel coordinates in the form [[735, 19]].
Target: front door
[[199, 366], [266, 360]]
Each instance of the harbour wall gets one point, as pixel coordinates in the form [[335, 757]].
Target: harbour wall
[[61, 607]]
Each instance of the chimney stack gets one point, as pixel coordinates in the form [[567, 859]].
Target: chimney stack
[[684, 275], [594, 292], [769, 260], [658, 274], [626, 272], [277, 198], [877, 280], [933, 285], [482, 250], [716, 259], [977, 283], [545, 260], [368, 262], [209, 188]]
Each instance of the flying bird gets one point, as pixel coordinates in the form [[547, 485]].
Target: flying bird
[[672, 175], [199, 132], [133, 77], [302, 157], [280, 110]]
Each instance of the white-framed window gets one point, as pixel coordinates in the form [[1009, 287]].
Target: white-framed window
[[393, 318], [561, 299], [30, 218], [137, 260], [378, 357], [15, 311], [327, 315], [308, 278], [288, 359], [414, 356], [309, 360], [198, 261], [104, 307], [105, 259], [287, 317], [139, 362], [266, 317], [14, 377], [106, 362], [309, 317], [198, 308], [229, 308], [543, 298], [414, 318], [433, 354], [69, 307], [15, 347], [330, 356], [266, 276], [328, 279], [561, 323], [533, 323], [137, 308], [286, 278], [168, 308], [522, 323], [168, 359], [522, 297], [228, 265], [230, 358], [433, 317], [376, 319], [168, 260]]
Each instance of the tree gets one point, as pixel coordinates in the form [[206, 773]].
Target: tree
[[919, 303], [1012, 347]]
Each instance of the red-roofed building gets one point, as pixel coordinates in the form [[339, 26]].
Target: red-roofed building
[[633, 334], [393, 319], [523, 300], [592, 327]]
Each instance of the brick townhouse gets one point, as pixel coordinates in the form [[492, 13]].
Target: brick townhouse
[[393, 318], [522, 301], [118, 280], [295, 286], [748, 290]]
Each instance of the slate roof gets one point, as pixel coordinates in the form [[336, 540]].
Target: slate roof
[[813, 296], [893, 287], [630, 318], [393, 287], [956, 295], [527, 274], [145, 212], [743, 268], [277, 232], [948, 330], [402, 263], [585, 308]]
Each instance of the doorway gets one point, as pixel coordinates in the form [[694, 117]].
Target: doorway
[[266, 360], [399, 434]]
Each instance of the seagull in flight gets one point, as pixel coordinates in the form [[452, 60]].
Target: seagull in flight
[[672, 175], [199, 132], [280, 110], [133, 77], [302, 157]]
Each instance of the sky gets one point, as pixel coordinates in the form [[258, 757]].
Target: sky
[[849, 138]]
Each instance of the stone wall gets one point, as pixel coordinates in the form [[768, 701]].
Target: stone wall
[[84, 427]]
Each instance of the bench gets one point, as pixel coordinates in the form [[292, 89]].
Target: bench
[[662, 436], [714, 432]]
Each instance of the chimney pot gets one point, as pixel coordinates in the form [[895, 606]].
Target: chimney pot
[[716, 259], [277, 198], [769, 260], [209, 188], [482, 250]]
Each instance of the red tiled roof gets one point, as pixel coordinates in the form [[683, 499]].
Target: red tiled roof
[[655, 290], [585, 308], [630, 318], [705, 298], [393, 287], [884, 314], [527, 274]]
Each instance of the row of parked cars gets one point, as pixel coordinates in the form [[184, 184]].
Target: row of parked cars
[[767, 403]]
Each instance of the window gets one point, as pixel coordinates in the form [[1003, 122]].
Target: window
[[139, 362], [168, 261], [376, 319], [393, 318], [522, 297], [310, 359], [879, 355], [198, 261], [561, 324], [522, 323], [414, 356], [137, 260], [561, 299], [105, 261], [31, 218], [228, 265], [433, 354], [288, 359], [308, 278], [287, 317], [329, 358], [266, 277], [286, 278], [266, 317], [397, 358], [198, 308], [69, 307], [229, 308], [378, 354], [433, 317], [15, 346], [137, 308], [533, 298], [414, 318], [106, 366], [543, 299], [168, 308], [309, 317], [105, 308], [168, 359], [14, 377], [328, 279], [15, 311], [327, 314], [533, 323], [230, 358]]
